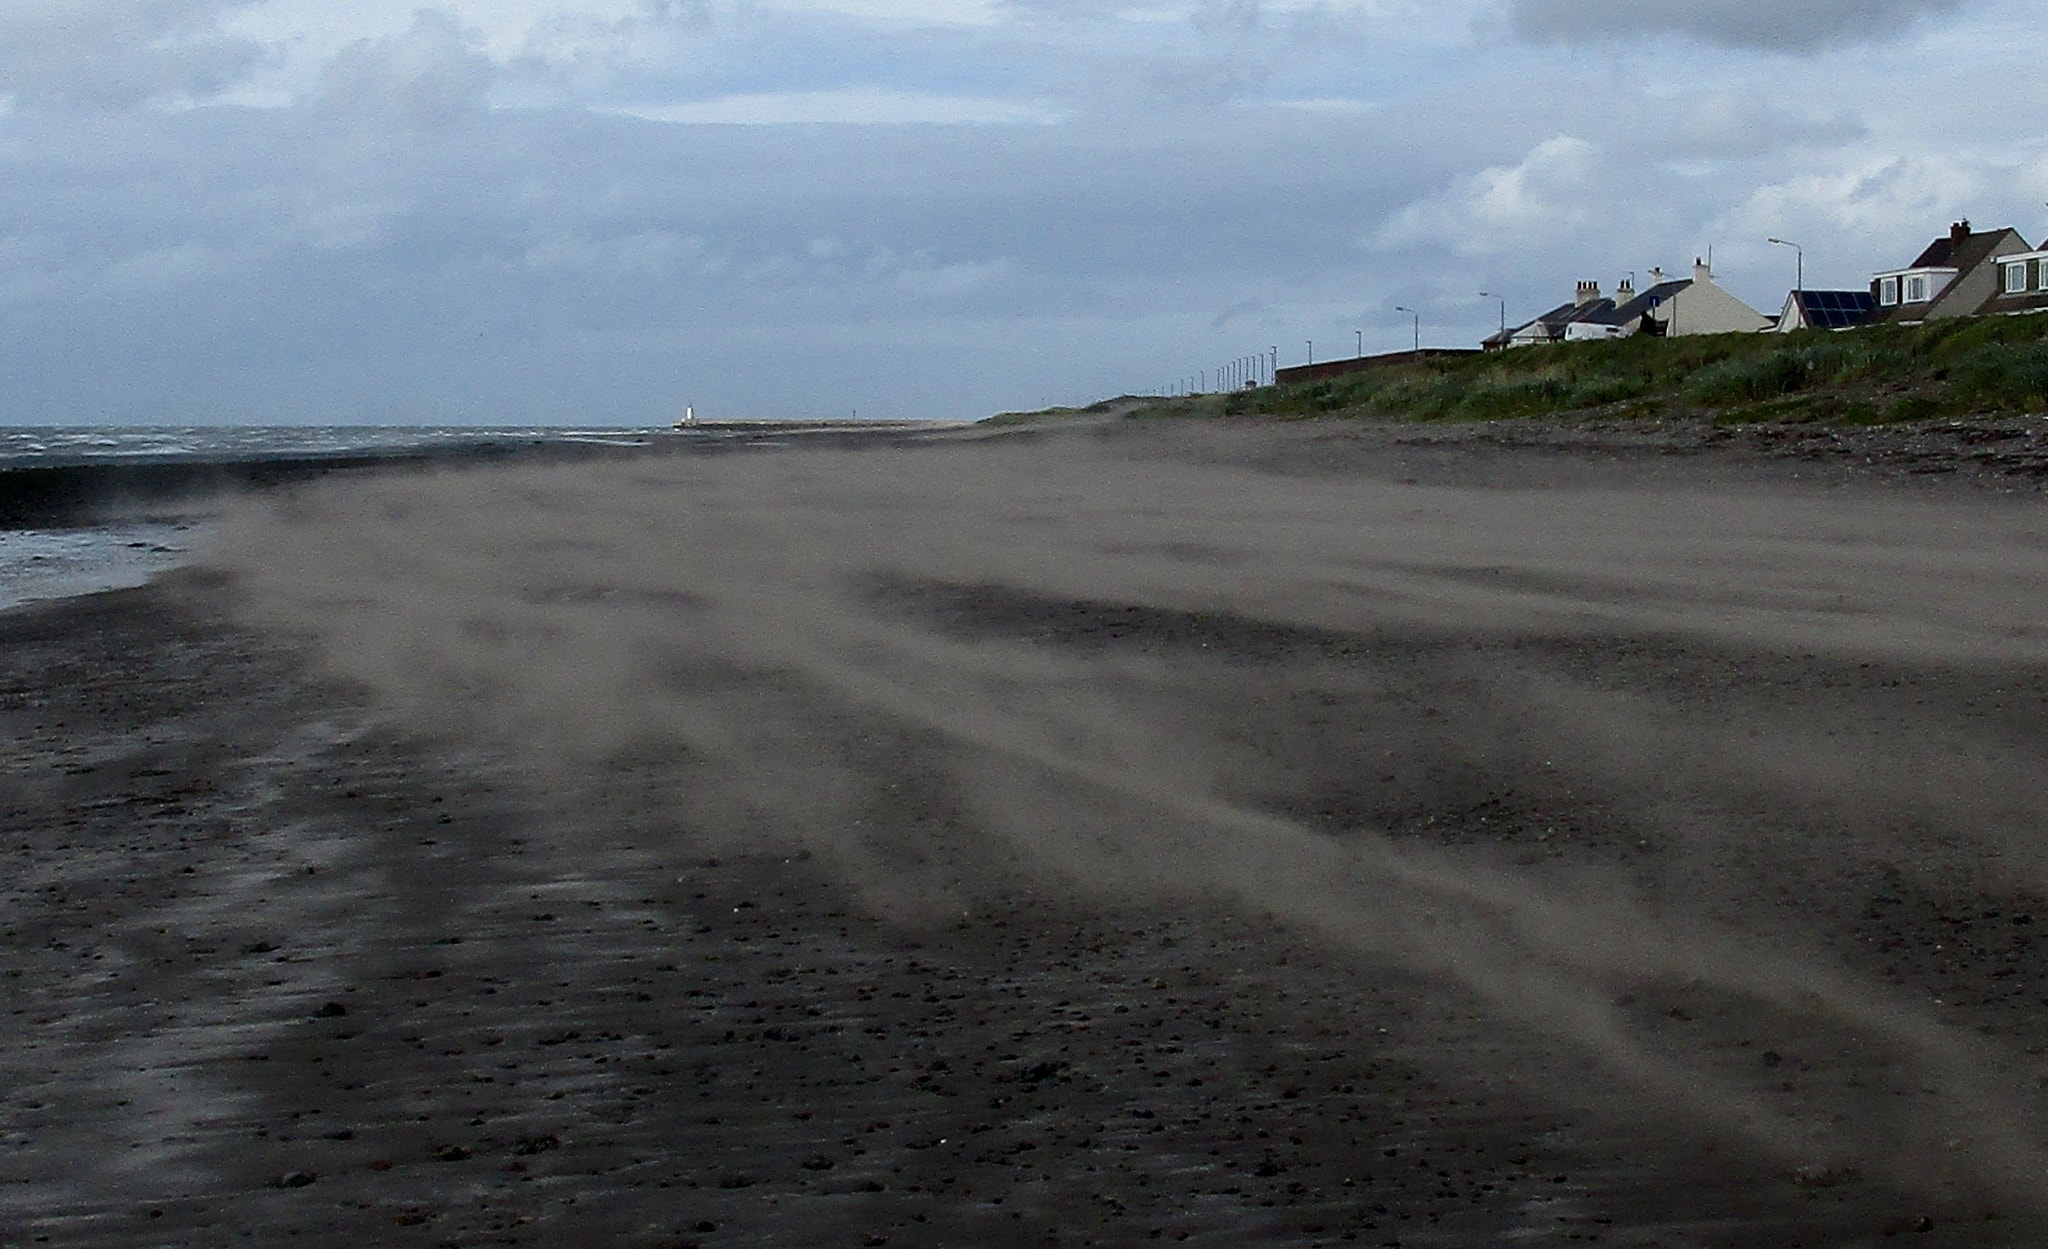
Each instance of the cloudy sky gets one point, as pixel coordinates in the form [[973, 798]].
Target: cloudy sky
[[596, 211]]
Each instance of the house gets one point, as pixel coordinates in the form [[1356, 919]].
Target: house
[[1956, 276], [1824, 310], [1589, 309], [1698, 306], [2022, 284], [1680, 306]]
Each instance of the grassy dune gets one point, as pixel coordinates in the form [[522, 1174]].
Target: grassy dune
[[1862, 377]]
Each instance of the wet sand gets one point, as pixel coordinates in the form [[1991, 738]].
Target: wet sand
[[1122, 836]]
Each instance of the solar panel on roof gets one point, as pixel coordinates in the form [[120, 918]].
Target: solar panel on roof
[[1834, 310]]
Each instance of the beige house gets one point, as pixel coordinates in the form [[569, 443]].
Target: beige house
[[1700, 306], [1956, 276]]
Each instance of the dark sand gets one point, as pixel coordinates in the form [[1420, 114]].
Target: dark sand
[[1125, 835]]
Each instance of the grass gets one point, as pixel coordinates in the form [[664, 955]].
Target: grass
[[1101, 407], [1962, 367]]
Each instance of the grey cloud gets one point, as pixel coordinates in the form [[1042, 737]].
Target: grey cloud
[[103, 54], [1732, 126], [526, 265], [430, 76], [393, 250], [1766, 25]]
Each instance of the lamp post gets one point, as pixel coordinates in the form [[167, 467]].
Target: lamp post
[[1418, 325], [1799, 281], [1274, 371], [1503, 312], [1361, 343]]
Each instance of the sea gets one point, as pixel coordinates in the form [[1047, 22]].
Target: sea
[[42, 560], [23, 446]]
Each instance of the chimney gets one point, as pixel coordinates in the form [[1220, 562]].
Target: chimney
[[1656, 276], [1626, 291], [1959, 231], [1701, 270], [1588, 292]]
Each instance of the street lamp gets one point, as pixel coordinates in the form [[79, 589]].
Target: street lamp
[[1503, 311], [1418, 325], [1799, 282], [1274, 371]]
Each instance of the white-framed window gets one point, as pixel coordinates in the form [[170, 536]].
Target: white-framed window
[[2016, 278], [1888, 288], [2043, 264], [1916, 290]]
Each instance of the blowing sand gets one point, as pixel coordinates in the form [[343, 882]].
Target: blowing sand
[[1209, 836]]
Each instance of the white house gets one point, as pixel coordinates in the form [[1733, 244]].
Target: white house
[[1679, 306]]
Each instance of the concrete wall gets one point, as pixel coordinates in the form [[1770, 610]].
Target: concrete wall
[[1300, 373]]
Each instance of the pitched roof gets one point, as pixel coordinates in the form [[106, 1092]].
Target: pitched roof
[[1965, 253], [1639, 307], [2031, 301], [1557, 318], [1603, 311]]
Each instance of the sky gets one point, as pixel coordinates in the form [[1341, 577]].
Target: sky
[[598, 211]]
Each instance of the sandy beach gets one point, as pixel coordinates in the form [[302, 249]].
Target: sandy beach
[[1118, 834]]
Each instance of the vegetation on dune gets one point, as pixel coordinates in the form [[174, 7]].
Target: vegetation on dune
[[1101, 407], [1887, 373]]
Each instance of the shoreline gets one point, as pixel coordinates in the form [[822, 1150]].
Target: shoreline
[[78, 490], [2007, 452]]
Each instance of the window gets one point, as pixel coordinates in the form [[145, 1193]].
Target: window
[[2044, 274], [1888, 288], [2016, 278], [1916, 290]]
